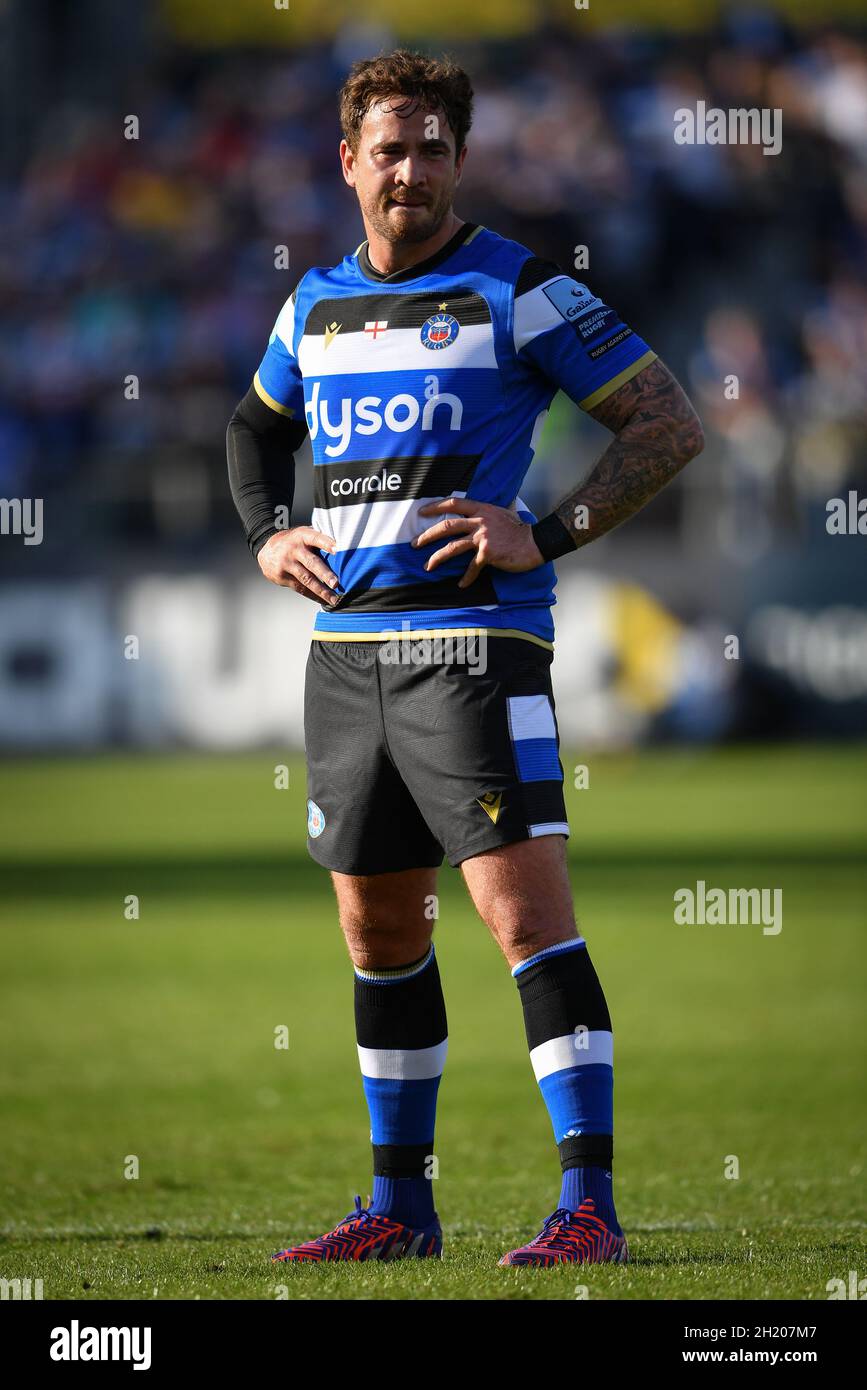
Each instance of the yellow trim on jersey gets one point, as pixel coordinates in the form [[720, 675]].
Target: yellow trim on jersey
[[269, 400], [596, 397], [389, 634]]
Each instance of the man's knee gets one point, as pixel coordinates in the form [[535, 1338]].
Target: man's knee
[[519, 939], [523, 895], [386, 918]]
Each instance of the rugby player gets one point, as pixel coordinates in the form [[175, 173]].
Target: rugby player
[[422, 367]]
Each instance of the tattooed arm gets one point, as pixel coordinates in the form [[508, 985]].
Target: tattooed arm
[[656, 432]]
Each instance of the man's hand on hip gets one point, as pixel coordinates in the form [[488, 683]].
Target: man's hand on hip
[[291, 559], [496, 534]]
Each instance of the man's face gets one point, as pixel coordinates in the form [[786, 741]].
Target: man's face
[[404, 173]]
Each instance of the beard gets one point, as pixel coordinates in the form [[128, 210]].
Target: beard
[[417, 225]]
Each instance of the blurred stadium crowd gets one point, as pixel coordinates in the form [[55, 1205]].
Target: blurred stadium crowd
[[155, 257], [727, 611]]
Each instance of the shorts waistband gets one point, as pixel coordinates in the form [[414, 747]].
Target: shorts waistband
[[430, 633]]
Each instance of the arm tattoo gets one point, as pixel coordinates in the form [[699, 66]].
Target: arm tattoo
[[657, 433]]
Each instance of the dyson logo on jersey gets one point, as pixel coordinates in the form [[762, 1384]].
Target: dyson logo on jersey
[[368, 415]]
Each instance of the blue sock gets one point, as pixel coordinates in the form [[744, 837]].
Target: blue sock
[[595, 1182], [400, 1022], [407, 1200]]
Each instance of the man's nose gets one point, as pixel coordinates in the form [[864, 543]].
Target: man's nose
[[409, 170]]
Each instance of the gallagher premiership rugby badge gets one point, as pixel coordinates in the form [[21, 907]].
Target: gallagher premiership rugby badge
[[570, 299], [440, 330], [315, 820]]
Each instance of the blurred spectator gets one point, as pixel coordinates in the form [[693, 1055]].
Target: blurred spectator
[[154, 259]]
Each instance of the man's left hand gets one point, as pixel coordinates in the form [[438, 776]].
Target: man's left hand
[[496, 534]]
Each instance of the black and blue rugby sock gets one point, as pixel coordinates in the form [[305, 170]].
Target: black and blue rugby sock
[[571, 1049], [400, 1023]]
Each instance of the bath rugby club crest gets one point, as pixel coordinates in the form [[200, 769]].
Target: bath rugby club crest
[[440, 330], [315, 820]]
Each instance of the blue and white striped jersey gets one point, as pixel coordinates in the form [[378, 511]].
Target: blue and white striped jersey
[[428, 383]]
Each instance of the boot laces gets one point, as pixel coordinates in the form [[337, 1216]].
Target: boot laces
[[359, 1217], [552, 1227]]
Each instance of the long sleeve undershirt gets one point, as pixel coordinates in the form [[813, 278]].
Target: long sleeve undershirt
[[260, 444]]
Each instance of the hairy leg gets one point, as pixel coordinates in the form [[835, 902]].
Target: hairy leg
[[385, 918], [522, 894]]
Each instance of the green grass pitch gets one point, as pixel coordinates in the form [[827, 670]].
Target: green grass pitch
[[155, 1037]]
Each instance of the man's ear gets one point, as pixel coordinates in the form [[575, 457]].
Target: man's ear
[[347, 163]]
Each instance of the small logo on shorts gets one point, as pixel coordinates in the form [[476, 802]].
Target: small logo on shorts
[[315, 820], [490, 802]]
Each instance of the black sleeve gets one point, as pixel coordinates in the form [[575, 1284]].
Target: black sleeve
[[260, 444]]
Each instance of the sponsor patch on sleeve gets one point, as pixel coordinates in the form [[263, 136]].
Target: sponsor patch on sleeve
[[600, 320], [571, 299], [609, 343]]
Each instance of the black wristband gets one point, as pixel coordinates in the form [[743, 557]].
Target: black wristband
[[552, 538]]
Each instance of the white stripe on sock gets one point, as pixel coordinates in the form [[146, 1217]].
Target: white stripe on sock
[[403, 1064], [573, 1050]]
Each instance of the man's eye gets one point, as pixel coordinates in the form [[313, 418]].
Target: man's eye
[[396, 153]]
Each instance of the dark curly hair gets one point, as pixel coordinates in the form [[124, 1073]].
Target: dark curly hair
[[432, 84]]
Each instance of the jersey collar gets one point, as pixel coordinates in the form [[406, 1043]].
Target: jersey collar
[[414, 272]]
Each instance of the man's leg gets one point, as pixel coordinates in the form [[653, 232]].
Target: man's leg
[[522, 893], [400, 1022], [385, 917], [366, 829]]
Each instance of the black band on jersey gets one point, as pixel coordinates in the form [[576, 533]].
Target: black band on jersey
[[534, 272], [260, 444], [552, 538]]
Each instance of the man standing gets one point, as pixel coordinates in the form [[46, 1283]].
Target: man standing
[[422, 367]]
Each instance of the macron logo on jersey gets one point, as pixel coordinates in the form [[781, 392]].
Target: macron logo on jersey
[[369, 415]]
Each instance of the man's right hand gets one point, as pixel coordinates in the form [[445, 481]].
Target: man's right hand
[[290, 559]]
